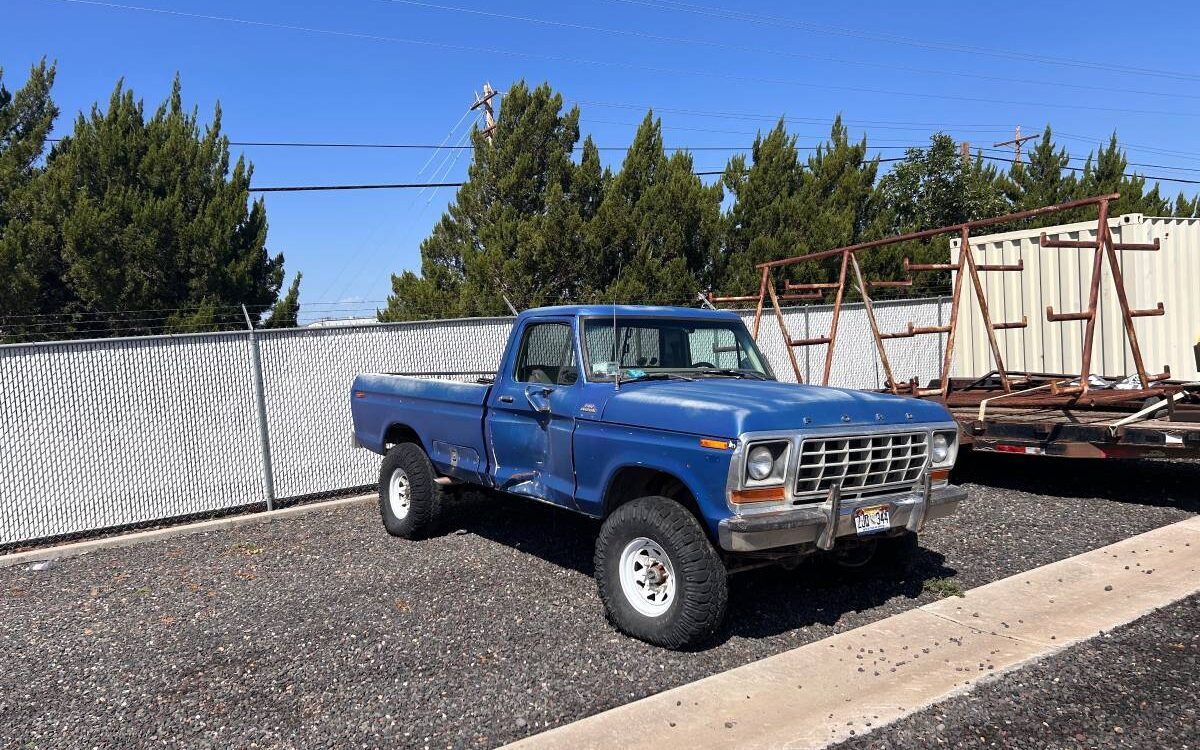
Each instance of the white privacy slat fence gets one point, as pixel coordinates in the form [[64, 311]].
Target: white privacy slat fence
[[114, 432]]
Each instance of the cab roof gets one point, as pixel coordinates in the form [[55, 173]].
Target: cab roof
[[631, 311]]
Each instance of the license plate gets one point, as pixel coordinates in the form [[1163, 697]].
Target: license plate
[[872, 518]]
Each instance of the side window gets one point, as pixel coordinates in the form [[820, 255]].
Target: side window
[[716, 346], [546, 355]]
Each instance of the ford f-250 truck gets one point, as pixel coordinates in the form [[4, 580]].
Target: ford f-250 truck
[[674, 432]]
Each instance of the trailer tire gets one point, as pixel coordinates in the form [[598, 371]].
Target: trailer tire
[[410, 500], [658, 575]]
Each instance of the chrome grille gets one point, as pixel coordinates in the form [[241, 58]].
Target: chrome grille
[[861, 464]]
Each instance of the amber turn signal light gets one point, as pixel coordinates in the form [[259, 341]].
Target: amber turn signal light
[[764, 495], [940, 475], [710, 443]]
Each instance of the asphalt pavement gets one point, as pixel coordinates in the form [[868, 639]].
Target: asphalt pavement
[[322, 631]]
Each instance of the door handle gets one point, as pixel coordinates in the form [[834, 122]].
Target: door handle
[[506, 399]]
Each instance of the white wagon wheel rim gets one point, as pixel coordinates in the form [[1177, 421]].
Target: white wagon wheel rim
[[647, 577], [399, 493]]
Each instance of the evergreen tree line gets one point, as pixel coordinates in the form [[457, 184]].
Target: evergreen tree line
[[132, 224], [534, 225]]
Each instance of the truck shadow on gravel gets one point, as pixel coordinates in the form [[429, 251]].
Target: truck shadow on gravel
[[764, 602], [1158, 483]]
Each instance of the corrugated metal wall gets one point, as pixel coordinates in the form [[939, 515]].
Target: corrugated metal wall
[[1060, 277], [95, 434]]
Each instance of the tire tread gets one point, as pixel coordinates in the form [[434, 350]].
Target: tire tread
[[425, 505], [702, 590]]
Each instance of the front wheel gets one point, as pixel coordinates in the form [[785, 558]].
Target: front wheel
[[659, 577]]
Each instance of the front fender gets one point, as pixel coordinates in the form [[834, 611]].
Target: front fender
[[602, 450]]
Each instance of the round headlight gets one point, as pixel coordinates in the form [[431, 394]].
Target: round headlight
[[760, 462], [941, 447]]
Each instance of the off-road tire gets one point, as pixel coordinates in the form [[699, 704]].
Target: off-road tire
[[425, 494], [701, 589]]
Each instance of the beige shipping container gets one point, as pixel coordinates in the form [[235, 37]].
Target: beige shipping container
[[1059, 278]]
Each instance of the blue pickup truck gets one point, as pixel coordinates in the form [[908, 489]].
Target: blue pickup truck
[[668, 424]]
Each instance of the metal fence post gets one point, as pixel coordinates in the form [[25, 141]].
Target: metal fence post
[[808, 378], [941, 336], [260, 396]]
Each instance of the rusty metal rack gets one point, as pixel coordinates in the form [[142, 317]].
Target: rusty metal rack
[[1037, 413]]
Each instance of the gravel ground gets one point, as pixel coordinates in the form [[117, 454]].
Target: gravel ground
[[1133, 687], [323, 631]]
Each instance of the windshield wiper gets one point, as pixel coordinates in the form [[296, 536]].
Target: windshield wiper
[[731, 373], [657, 376]]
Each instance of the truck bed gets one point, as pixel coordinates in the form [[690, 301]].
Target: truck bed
[[442, 412]]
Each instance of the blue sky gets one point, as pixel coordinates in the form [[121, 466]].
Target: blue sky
[[400, 71]]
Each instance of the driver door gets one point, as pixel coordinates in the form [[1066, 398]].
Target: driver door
[[531, 420]]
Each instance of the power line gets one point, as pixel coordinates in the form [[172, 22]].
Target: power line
[[1130, 146], [456, 147], [465, 147], [675, 72], [1125, 174], [762, 116], [394, 186], [388, 186], [297, 144], [438, 175], [1128, 163], [778, 21], [775, 53]]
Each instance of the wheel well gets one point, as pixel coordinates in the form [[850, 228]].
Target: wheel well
[[633, 482], [400, 433]]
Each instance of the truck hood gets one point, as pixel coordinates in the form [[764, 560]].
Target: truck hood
[[729, 407]]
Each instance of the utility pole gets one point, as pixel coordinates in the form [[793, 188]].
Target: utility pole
[[489, 113], [1016, 144], [965, 152]]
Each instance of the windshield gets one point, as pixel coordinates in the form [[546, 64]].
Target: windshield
[[672, 348]]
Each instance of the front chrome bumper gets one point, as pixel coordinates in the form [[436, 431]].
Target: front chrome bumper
[[821, 524]]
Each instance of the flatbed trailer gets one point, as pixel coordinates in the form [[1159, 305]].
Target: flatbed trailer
[[1158, 422], [1143, 414]]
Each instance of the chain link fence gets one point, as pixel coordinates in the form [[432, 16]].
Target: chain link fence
[[116, 432]]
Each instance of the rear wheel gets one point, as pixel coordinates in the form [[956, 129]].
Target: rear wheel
[[659, 577], [410, 500]]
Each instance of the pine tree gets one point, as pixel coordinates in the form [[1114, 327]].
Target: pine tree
[[1044, 180], [1186, 207], [513, 228], [1107, 173], [286, 311], [25, 121], [764, 223], [656, 232], [134, 214], [838, 201]]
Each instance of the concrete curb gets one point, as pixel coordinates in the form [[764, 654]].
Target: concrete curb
[[857, 681], [218, 524]]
